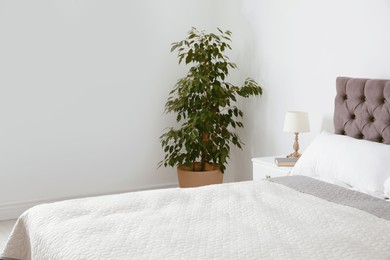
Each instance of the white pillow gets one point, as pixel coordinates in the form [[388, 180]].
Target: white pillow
[[361, 164]]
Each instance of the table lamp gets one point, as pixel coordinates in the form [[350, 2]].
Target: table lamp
[[296, 122]]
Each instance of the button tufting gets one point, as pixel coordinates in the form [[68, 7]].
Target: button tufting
[[364, 99], [372, 119], [353, 116]]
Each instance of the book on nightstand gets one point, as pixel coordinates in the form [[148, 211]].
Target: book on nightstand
[[288, 162]]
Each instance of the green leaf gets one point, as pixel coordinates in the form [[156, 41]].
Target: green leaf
[[174, 46]]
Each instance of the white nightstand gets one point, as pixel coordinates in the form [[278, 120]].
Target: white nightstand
[[265, 167]]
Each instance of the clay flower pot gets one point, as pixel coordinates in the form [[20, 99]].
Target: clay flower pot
[[188, 178]]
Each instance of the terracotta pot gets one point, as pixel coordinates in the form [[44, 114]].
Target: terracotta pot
[[188, 178]]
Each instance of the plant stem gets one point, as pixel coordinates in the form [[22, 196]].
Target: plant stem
[[205, 135], [205, 138]]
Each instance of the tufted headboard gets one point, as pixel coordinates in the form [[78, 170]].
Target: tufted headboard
[[362, 109]]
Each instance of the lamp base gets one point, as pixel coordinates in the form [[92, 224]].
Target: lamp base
[[294, 155]]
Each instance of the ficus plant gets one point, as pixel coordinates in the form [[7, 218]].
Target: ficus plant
[[205, 104]]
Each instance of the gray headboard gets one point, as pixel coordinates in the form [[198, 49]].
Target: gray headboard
[[362, 109]]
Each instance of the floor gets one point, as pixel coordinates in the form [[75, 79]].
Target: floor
[[5, 229]]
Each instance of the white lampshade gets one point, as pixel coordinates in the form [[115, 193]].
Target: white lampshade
[[296, 122]]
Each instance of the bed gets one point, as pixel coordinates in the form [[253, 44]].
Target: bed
[[303, 216]]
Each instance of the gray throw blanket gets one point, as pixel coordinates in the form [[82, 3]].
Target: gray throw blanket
[[336, 194]]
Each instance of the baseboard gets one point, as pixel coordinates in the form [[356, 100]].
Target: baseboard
[[12, 210]]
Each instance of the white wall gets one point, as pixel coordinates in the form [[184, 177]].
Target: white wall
[[82, 91], [296, 49]]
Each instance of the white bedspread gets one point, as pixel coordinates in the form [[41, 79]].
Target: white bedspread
[[248, 220]]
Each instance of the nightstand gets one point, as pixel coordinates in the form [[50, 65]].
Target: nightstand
[[265, 168]]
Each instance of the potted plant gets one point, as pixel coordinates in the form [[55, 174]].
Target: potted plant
[[205, 104]]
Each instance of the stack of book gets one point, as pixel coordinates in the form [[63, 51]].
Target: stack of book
[[288, 162]]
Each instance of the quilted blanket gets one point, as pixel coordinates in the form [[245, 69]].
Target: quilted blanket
[[247, 220]]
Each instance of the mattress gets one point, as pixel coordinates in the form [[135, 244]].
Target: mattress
[[285, 218]]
